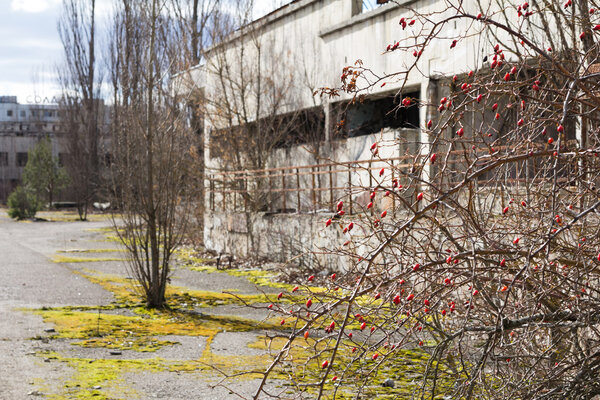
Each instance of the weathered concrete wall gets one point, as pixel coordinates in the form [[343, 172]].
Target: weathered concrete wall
[[279, 237]]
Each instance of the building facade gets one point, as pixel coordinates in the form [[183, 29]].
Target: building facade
[[271, 194], [22, 126]]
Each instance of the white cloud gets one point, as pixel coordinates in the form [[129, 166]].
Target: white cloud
[[33, 6]]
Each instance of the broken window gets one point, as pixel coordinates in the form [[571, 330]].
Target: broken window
[[372, 115], [272, 132], [21, 159]]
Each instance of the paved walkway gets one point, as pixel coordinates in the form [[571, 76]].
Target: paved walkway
[[29, 278]]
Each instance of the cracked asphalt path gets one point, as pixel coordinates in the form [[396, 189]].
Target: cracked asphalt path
[[30, 279]]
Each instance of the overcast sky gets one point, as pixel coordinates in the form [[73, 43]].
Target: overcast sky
[[30, 47]]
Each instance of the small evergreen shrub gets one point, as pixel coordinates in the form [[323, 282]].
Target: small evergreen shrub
[[22, 204]]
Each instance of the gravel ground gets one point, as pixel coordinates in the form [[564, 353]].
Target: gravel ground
[[31, 280]]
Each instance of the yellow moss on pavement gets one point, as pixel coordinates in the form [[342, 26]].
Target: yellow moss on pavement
[[70, 260], [83, 325]]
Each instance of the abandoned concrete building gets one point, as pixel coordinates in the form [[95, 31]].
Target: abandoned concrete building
[[270, 193], [21, 127]]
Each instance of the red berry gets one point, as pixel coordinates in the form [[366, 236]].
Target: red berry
[[383, 214], [328, 222], [308, 303], [410, 297], [420, 196], [325, 364]]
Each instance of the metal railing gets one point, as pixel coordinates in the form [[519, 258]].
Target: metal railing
[[315, 187]]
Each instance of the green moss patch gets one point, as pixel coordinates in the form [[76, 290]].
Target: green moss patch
[[152, 323], [143, 344]]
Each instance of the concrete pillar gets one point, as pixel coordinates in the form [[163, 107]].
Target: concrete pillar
[[356, 7], [428, 95], [327, 112]]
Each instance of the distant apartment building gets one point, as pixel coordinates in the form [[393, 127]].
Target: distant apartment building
[[21, 127]]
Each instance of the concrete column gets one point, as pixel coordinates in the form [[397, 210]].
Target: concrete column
[[428, 94], [355, 7], [327, 112]]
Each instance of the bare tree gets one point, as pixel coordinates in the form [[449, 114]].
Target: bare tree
[[152, 142], [254, 101], [82, 112]]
